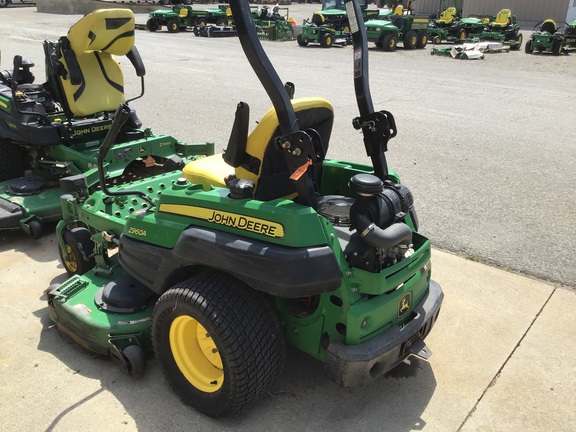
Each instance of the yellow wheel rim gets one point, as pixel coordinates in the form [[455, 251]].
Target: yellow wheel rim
[[414, 40], [196, 354], [71, 263]]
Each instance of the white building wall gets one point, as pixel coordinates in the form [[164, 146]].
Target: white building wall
[[524, 10]]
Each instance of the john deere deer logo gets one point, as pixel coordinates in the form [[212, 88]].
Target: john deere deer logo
[[404, 304]]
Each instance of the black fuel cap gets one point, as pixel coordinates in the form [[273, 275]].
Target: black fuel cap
[[366, 184], [241, 188]]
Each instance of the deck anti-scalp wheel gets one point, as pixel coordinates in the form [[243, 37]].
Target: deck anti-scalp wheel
[[218, 342]]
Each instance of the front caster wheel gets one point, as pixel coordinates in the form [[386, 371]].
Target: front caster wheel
[[218, 342], [78, 257]]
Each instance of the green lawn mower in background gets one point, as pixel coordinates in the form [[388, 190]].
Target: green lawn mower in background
[[548, 39], [334, 15], [323, 35], [331, 25], [271, 24], [214, 268], [570, 36], [503, 29], [54, 130], [448, 24]]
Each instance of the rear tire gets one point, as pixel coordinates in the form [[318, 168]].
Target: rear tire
[[301, 41], [422, 40], [221, 22], [219, 343], [410, 39], [528, 48], [462, 35], [556, 48]]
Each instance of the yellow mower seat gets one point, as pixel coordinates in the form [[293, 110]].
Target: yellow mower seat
[[208, 171], [548, 26], [183, 12], [503, 18], [270, 180], [399, 10], [447, 16], [92, 81]]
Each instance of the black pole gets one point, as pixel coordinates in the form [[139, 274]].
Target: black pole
[[377, 127], [262, 66]]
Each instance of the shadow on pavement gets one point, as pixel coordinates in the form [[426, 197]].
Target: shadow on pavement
[[303, 399]]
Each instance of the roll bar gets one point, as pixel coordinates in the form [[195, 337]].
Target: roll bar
[[263, 67], [377, 127]]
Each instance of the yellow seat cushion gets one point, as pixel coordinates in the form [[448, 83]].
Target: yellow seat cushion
[[208, 171]]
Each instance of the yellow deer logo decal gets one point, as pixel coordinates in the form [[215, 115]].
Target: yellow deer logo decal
[[404, 304]]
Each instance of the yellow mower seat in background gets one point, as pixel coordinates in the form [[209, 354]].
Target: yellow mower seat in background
[[399, 10], [447, 16], [549, 26], [312, 113], [183, 12], [93, 81], [502, 19]]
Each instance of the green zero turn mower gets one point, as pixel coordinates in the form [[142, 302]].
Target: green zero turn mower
[[331, 25], [570, 36], [215, 268], [273, 23], [503, 29], [549, 38], [54, 130], [448, 24]]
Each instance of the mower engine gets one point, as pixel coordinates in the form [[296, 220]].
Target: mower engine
[[382, 237]]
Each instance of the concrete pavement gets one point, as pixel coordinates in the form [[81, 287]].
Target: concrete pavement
[[502, 361]]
